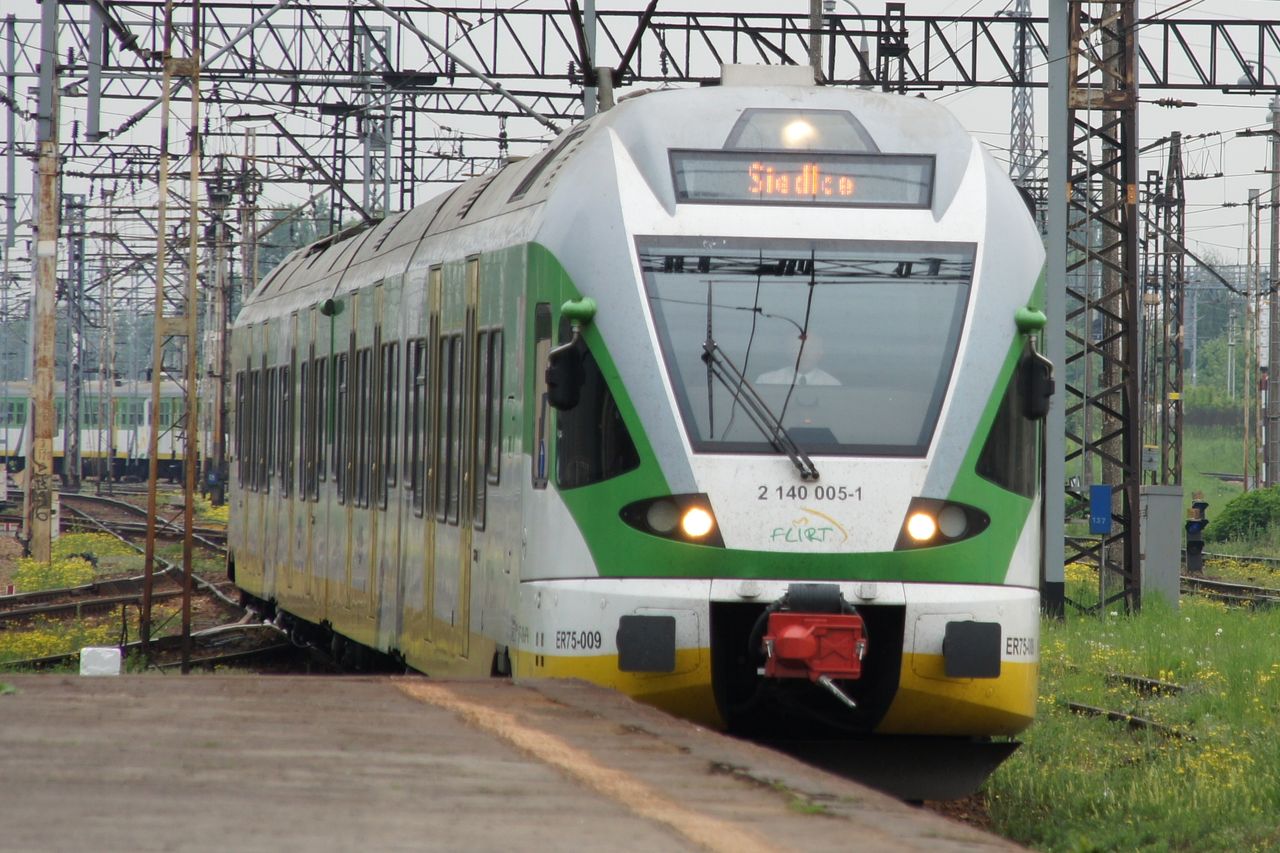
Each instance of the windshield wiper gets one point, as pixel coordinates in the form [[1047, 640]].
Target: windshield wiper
[[722, 368]]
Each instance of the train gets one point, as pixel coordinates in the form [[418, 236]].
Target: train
[[729, 399], [127, 444]]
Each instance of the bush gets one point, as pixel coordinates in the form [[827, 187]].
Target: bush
[[1246, 517]]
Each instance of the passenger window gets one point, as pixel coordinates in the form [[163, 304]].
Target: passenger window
[[541, 349], [390, 409], [417, 426], [340, 427], [455, 426], [592, 441], [239, 430], [444, 437], [363, 436], [323, 428], [269, 428], [285, 464], [1010, 457], [308, 392], [488, 423]]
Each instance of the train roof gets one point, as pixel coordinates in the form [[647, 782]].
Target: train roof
[[646, 127]]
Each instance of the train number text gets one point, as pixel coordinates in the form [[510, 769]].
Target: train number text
[[804, 493], [575, 640]]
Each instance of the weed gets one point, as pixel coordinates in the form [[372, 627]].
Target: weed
[[1090, 784]]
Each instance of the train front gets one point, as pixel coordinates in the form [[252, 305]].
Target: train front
[[799, 415]]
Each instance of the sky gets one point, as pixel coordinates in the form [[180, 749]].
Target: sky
[[1216, 216]]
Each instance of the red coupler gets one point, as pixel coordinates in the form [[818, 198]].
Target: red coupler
[[811, 645]]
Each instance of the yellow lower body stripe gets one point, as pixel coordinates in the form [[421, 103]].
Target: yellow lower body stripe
[[928, 702]]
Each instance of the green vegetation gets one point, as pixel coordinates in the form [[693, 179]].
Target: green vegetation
[[1213, 449], [1247, 517], [206, 513], [77, 559], [45, 637], [1208, 780]]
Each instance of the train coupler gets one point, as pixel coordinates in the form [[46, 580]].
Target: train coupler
[[818, 646]]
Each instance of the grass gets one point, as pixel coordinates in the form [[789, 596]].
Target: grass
[[45, 637], [1211, 449], [1081, 783]]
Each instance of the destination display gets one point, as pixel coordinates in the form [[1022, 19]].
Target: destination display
[[753, 177]]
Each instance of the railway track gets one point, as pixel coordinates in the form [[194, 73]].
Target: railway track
[[1232, 593], [128, 518], [1228, 591], [102, 596]]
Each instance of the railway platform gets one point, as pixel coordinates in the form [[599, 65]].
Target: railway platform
[[282, 763]]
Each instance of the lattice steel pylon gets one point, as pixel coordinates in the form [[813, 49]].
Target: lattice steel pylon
[[1102, 309], [1173, 273], [1022, 120]]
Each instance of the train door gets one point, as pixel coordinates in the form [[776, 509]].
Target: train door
[[309, 446], [345, 469], [293, 537], [375, 479], [387, 399], [262, 447], [455, 449], [421, 324]]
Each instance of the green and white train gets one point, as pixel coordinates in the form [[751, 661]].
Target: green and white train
[[728, 399]]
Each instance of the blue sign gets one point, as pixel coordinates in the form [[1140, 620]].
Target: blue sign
[[1100, 509]]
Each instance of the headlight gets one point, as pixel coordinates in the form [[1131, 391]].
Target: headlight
[[685, 518], [931, 522], [921, 526], [662, 516], [697, 522], [952, 522]]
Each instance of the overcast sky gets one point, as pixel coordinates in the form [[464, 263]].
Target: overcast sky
[[1210, 128]]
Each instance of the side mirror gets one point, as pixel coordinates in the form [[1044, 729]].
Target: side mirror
[[1035, 374], [565, 375]]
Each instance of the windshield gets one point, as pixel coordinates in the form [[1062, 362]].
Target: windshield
[[850, 344]]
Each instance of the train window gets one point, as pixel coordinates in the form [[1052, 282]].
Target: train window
[[592, 440], [129, 413], [255, 386], [390, 409], [239, 427], [541, 348], [363, 437], [251, 432], [416, 426], [272, 422], [285, 465], [849, 343], [1009, 458], [338, 424], [479, 458], [447, 445], [488, 427], [493, 428], [323, 427], [308, 401]]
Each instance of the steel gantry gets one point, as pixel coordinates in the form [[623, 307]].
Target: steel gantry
[[370, 102]]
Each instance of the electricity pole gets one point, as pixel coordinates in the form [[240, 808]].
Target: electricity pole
[[38, 492]]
